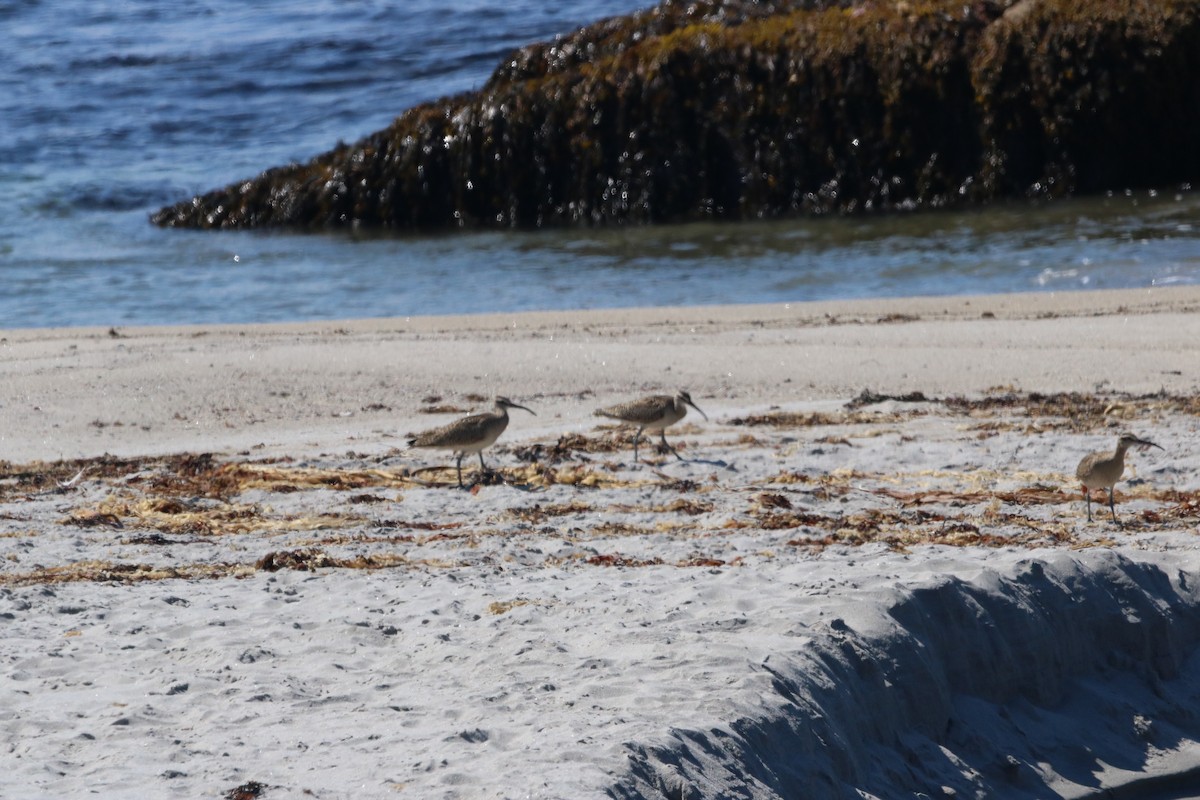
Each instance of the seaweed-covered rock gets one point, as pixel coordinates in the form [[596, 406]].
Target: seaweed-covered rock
[[736, 109], [1088, 96]]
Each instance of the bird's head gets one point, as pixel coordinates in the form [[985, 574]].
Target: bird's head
[[687, 398], [505, 403], [1128, 440]]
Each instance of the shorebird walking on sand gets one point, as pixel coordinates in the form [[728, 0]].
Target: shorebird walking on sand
[[469, 434], [1103, 470], [654, 413]]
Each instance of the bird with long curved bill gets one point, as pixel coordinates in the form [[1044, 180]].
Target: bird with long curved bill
[[1102, 470], [654, 413], [471, 434]]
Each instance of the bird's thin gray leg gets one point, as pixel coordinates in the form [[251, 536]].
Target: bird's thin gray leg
[[672, 449], [1111, 506], [1088, 497], [458, 466], [636, 437]]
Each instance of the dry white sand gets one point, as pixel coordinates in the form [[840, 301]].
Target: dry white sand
[[826, 599]]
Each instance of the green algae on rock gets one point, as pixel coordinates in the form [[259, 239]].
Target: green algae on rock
[[732, 109]]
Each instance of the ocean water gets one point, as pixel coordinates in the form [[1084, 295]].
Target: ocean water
[[110, 110]]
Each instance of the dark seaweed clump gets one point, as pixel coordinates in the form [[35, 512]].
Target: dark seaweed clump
[[733, 109]]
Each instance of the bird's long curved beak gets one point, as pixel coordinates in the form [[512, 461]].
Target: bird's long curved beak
[[693, 405], [1147, 443], [530, 410]]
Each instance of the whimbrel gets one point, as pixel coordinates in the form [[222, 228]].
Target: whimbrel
[[653, 413], [1103, 470], [469, 434]]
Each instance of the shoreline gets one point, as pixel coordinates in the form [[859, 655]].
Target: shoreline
[[1012, 305], [72, 393]]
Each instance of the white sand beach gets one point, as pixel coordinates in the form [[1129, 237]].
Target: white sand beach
[[225, 575]]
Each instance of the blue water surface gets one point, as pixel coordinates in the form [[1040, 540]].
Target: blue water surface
[[110, 110]]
